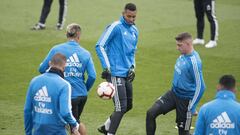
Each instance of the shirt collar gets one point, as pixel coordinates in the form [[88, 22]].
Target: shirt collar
[[225, 94], [190, 54], [73, 42], [123, 21]]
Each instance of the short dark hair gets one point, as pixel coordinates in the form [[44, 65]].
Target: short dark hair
[[183, 36], [130, 6], [72, 30], [227, 81], [58, 59]]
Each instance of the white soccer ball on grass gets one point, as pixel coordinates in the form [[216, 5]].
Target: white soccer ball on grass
[[106, 90]]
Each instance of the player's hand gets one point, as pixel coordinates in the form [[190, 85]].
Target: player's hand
[[131, 75], [195, 113], [75, 130], [106, 74]]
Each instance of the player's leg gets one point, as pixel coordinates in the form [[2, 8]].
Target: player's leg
[[82, 129], [199, 13], [45, 11], [184, 117], [81, 104], [128, 86], [120, 103], [209, 7], [62, 14], [162, 106], [75, 108], [129, 91], [105, 127], [44, 14]]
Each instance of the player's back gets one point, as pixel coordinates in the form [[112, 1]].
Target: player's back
[[45, 92], [222, 114], [76, 65]]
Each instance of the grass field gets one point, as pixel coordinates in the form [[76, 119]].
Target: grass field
[[159, 21]]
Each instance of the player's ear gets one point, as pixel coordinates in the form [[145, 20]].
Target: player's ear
[[63, 66], [235, 90], [219, 87], [50, 63], [78, 34]]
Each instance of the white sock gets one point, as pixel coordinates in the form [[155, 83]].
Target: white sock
[[41, 24], [109, 134], [107, 124]]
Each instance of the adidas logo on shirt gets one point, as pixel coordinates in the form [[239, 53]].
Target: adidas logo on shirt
[[73, 61], [42, 95], [222, 121]]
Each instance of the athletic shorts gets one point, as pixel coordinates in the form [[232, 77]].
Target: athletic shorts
[[169, 101], [77, 106]]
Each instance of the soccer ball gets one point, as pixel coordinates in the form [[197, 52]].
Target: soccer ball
[[105, 90]]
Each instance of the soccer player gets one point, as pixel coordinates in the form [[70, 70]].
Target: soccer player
[[47, 109], [116, 50], [46, 10], [220, 116], [187, 89], [208, 7], [79, 61]]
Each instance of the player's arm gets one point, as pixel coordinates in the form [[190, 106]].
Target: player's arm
[[65, 105], [102, 44], [200, 124], [91, 74], [196, 71], [131, 71], [134, 61], [28, 122], [45, 63]]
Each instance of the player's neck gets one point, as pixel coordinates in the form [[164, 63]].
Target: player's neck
[[74, 39], [189, 51]]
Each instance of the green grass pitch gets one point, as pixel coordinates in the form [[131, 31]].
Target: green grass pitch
[[159, 21]]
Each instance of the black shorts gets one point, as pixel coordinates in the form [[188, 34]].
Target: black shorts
[[77, 106], [168, 102]]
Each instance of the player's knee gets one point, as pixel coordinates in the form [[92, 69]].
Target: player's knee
[[151, 114], [210, 19], [129, 107], [124, 110], [200, 17]]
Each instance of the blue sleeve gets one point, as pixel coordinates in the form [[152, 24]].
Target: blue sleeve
[[65, 105], [200, 124], [45, 64], [134, 58], [102, 45], [91, 74], [28, 122], [196, 72], [137, 33]]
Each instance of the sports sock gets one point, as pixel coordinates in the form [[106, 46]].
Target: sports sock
[[107, 123]]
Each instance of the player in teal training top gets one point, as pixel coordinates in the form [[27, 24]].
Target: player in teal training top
[[187, 89], [48, 102]]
